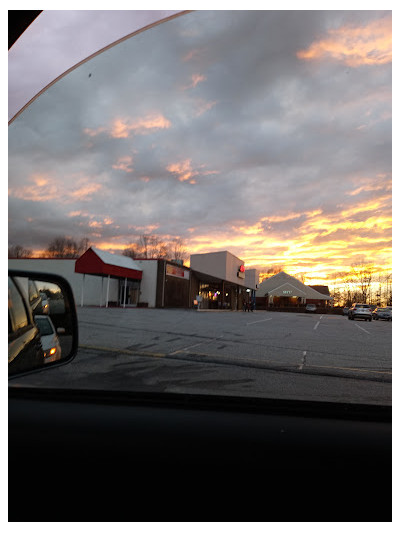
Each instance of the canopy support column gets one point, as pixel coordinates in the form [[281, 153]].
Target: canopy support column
[[108, 289]]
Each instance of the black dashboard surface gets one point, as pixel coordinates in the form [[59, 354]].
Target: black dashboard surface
[[111, 457]]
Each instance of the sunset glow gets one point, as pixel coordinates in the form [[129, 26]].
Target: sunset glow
[[261, 133]]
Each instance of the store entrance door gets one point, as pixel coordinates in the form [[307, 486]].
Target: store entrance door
[[129, 292]]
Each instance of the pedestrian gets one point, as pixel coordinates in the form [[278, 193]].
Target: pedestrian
[[244, 305], [248, 306]]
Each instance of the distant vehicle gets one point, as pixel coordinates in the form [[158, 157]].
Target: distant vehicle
[[382, 313], [360, 311], [45, 303], [345, 310], [49, 338], [311, 308]]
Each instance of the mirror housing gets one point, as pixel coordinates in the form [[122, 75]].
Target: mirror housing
[[42, 322]]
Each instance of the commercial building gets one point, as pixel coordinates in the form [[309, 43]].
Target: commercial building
[[98, 278], [221, 281], [284, 291]]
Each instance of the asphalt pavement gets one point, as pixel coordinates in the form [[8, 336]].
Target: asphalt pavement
[[260, 353]]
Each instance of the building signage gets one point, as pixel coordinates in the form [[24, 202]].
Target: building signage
[[287, 292], [241, 272], [177, 272]]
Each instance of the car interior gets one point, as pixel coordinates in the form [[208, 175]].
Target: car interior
[[77, 455]]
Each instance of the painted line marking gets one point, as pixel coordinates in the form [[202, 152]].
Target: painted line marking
[[303, 361], [228, 359], [121, 350], [369, 333], [316, 325], [256, 321], [194, 345]]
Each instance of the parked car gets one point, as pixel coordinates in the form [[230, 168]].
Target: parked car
[[49, 338], [45, 303], [345, 310], [382, 313], [311, 308], [360, 311]]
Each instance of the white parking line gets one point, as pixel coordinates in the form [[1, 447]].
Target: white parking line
[[194, 345], [303, 361], [369, 333], [256, 321], [316, 325]]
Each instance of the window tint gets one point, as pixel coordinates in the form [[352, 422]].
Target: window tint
[[44, 326]]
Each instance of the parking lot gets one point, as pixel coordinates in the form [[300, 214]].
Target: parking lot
[[261, 354], [307, 342]]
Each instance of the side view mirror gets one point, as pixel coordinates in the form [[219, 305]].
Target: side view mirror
[[42, 322]]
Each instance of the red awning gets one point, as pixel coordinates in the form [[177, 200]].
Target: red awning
[[100, 263]]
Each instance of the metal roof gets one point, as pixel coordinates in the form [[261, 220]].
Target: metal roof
[[100, 263], [281, 282]]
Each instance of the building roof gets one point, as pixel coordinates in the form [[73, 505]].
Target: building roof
[[323, 289], [100, 263], [283, 284]]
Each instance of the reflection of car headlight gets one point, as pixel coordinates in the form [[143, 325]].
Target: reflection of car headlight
[[50, 352]]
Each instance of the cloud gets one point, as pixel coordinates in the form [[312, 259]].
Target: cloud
[[354, 46], [213, 128]]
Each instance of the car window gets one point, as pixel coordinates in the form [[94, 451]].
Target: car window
[[44, 326], [205, 184], [18, 318]]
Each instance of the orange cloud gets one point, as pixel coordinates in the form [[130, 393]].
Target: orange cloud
[[42, 189], [141, 126], [46, 189], [195, 80], [124, 164], [354, 46], [183, 169], [202, 106], [321, 245]]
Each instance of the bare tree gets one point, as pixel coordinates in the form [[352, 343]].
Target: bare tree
[[362, 274], [178, 250], [131, 251], [65, 247], [18, 252], [271, 271], [154, 247]]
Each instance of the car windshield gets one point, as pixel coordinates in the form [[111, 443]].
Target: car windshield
[[44, 326], [204, 183]]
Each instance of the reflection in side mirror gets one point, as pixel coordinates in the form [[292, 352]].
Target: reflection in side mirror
[[42, 321]]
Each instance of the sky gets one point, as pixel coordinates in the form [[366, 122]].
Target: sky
[[264, 133]]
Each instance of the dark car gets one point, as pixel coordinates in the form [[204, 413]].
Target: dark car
[[24, 346], [382, 313], [345, 310]]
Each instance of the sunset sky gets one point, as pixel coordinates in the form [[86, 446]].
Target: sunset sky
[[264, 133]]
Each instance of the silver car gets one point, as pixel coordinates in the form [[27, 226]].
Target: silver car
[[360, 311], [49, 339]]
